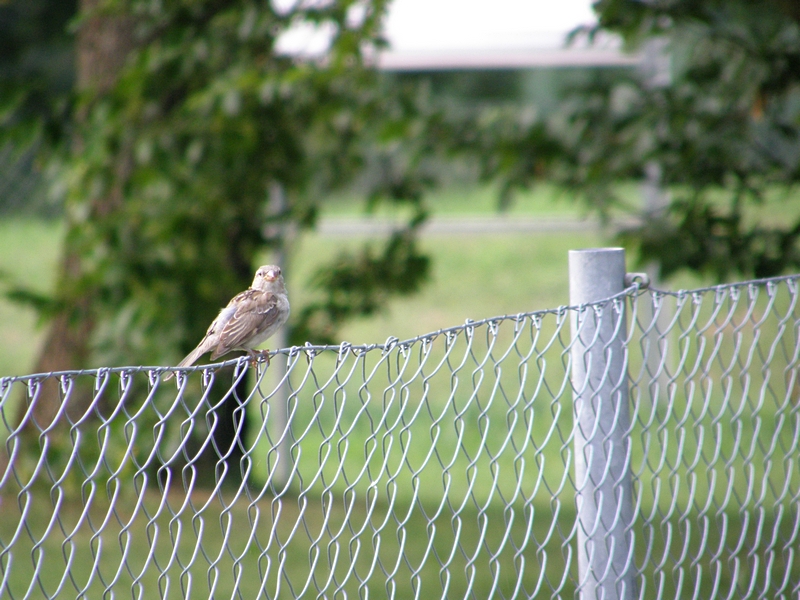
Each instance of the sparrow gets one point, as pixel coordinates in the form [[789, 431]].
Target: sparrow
[[249, 319]]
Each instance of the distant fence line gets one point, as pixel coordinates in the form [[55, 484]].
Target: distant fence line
[[639, 443], [23, 189]]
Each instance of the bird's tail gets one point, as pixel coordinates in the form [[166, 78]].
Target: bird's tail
[[190, 359]]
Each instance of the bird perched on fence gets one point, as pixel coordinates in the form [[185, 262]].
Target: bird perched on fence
[[248, 321]]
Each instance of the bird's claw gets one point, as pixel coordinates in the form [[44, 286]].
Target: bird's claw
[[254, 356]]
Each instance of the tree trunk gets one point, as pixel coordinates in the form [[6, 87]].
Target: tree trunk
[[103, 44]]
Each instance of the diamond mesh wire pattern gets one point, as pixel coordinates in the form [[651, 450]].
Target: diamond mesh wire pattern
[[438, 467]]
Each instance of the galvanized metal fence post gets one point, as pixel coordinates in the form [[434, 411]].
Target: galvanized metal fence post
[[602, 423]]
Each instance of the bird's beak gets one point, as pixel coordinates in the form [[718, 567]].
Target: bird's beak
[[272, 275]]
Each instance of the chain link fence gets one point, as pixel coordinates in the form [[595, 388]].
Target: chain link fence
[[453, 465], [23, 187]]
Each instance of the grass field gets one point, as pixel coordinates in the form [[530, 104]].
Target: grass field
[[445, 481], [29, 253], [543, 200], [443, 471], [471, 279], [475, 278]]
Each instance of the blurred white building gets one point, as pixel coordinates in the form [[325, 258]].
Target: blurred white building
[[427, 35]]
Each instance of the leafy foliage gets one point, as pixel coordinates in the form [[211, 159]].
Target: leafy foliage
[[36, 78], [169, 192], [35, 67], [719, 131], [724, 133], [168, 198]]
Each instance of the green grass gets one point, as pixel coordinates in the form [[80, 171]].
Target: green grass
[[168, 540], [472, 278], [29, 254], [476, 278], [777, 206], [408, 455], [475, 200], [463, 277], [371, 486]]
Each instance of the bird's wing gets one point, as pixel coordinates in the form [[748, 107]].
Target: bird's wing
[[255, 312]]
